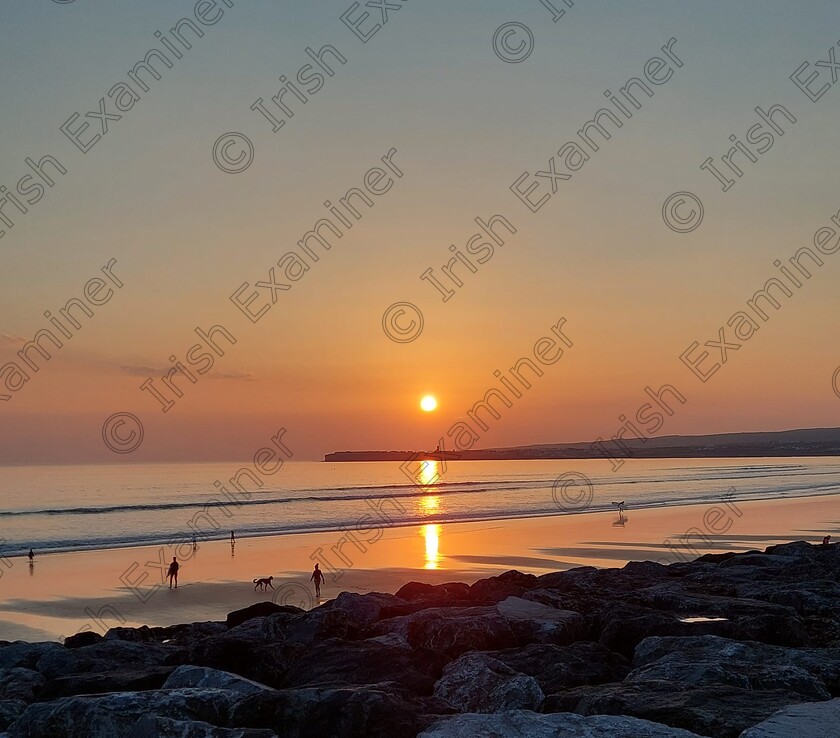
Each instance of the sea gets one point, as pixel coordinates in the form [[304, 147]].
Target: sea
[[83, 507]]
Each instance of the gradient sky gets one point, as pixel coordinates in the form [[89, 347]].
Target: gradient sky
[[465, 125]]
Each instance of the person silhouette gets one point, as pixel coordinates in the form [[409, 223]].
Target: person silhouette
[[317, 577], [172, 574], [31, 555], [826, 540], [232, 539]]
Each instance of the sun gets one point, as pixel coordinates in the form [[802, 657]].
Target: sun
[[428, 403]]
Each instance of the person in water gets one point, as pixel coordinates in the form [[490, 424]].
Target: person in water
[[317, 577], [172, 575]]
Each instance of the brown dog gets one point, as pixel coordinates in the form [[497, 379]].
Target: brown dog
[[263, 584]]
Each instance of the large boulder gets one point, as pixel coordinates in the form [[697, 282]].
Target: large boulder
[[811, 720], [495, 589], [20, 684], [534, 622], [719, 711], [452, 631], [25, 655], [199, 676], [812, 672], [114, 714], [337, 662], [423, 596], [150, 726], [524, 724], [363, 610], [259, 610], [10, 710], [106, 655], [84, 638], [479, 683], [562, 667], [349, 712], [100, 682], [260, 661]]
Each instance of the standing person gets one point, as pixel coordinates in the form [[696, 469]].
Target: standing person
[[172, 575], [317, 577], [232, 539], [195, 544], [31, 555]]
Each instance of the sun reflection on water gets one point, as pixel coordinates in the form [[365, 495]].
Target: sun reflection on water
[[432, 535]]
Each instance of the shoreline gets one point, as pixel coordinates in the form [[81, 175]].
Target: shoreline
[[430, 519], [125, 586]]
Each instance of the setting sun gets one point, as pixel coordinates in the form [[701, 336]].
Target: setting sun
[[428, 403]]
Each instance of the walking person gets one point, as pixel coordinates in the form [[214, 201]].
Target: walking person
[[317, 577], [172, 574]]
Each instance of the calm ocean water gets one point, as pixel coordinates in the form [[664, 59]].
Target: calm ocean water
[[100, 506]]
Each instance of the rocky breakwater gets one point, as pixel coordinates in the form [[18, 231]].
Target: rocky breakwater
[[725, 646]]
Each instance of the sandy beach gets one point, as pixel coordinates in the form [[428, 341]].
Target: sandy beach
[[60, 594]]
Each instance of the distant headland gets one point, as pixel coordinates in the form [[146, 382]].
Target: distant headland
[[800, 442]]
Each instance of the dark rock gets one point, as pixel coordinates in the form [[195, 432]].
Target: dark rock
[[562, 667], [722, 712], [363, 610], [546, 597], [143, 634], [337, 662], [20, 684], [263, 662], [524, 724], [477, 682], [106, 655], [349, 712], [101, 682], [258, 610], [423, 596], [25, 655], [452, 631], [495, 589], [10, 710], [815, 719], [158, 727], [814, 673], [85, 638], [114, 714], [200, 676], [533, 622]]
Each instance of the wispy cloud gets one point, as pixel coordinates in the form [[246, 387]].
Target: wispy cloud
[[240, 376], [148, 371], [139, 371]]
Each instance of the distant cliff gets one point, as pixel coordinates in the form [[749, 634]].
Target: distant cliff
[[802, 442]]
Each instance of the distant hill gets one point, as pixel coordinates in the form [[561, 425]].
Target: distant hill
[[801, 442]]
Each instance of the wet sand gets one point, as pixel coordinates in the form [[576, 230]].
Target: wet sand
[[60, 594]]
